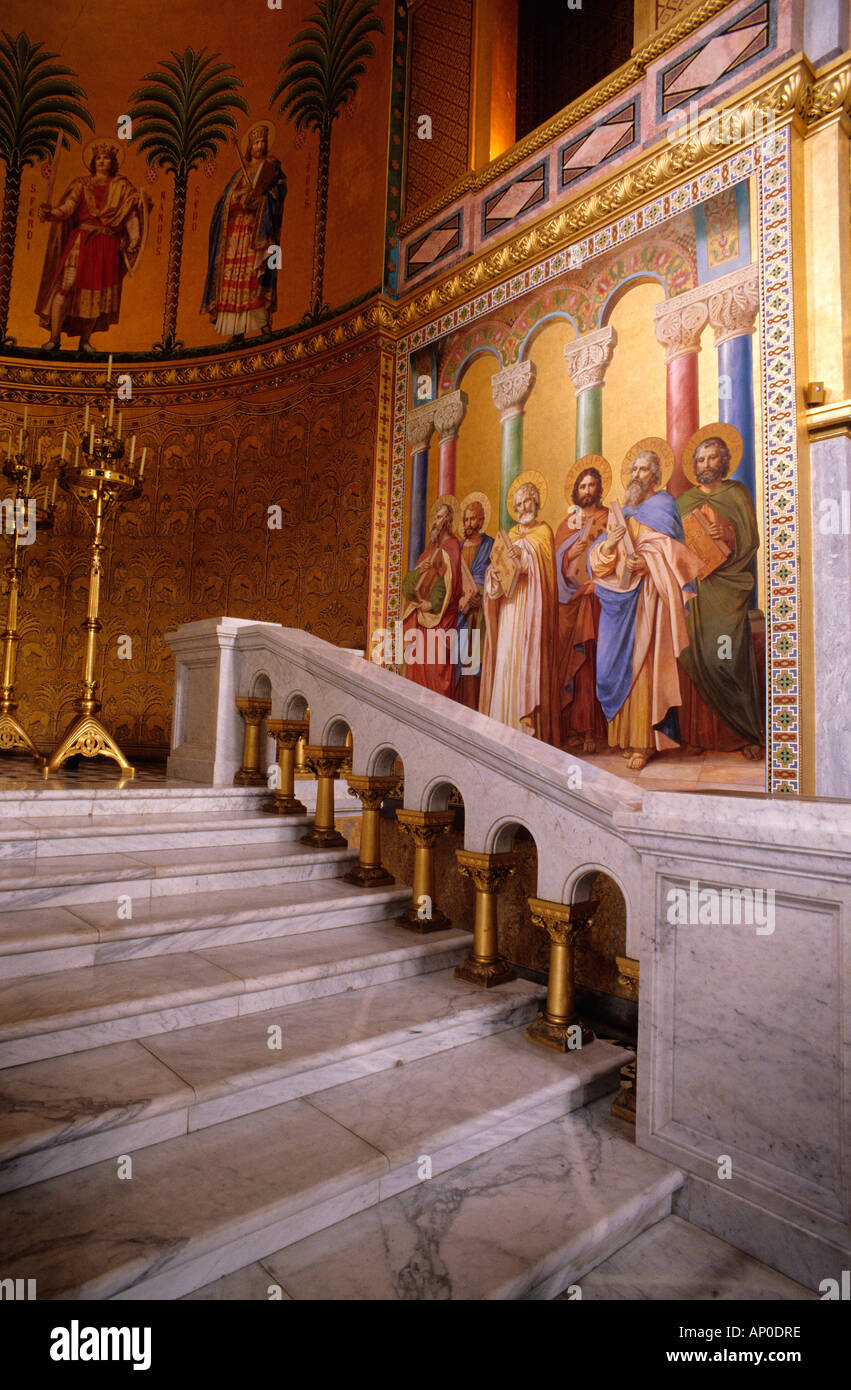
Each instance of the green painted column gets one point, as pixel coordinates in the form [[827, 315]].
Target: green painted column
[[587, 359], [589, 422], [511, 390]]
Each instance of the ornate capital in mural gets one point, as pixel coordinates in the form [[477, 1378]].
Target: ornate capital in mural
[[512, 388], [734, 304], [588, 357], [420, 426], [449, 411], [680, 322]]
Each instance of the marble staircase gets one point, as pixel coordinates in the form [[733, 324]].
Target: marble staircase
[[294, 1078]]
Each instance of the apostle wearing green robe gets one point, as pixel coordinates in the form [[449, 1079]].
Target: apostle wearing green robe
[[720, 658]]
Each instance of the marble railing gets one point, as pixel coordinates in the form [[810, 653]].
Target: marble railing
[[737, 911]]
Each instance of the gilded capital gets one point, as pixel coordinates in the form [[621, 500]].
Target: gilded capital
[[424, 827], [252, 709], [563, 922], [680, 322], [734, 304], [325, 759], [371, 791], [420, 426], [588, 357], [512, 387], [449, 411], [628, 975], [287, 732], [489, 872]]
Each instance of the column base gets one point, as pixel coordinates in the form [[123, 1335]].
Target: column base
[[86, 735], [485, 973], [13, 735], [324, 839], [368, 876], [557, 1035], [281, 805], [623, 1104], [438, 921], [250, 779]]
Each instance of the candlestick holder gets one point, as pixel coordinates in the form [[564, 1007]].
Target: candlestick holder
[[23, 476], [99, 477]]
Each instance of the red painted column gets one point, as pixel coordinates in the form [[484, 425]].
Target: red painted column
[[449, 411], [679, 324]]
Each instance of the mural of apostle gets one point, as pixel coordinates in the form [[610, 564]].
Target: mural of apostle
[[96, 238], [582, 721], [241, 289], [475, 553], [643, 572], [723, 704], [520, 663], [431, 592]]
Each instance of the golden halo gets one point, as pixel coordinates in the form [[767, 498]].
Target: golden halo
[[110, 142], [449, 500], [654, 444], [603, 467], [718, 429], [529, 475], [269, 128], [486, 508]]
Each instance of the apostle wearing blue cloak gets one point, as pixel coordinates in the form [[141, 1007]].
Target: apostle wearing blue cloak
[[643, 628], [240, 292], [475, 555]]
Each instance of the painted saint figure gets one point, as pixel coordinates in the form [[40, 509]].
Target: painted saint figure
[[431, 592], [475, 553], [240, 292], [723, 709], [96, 238], [642, 615], [519, 669], [582, 721]]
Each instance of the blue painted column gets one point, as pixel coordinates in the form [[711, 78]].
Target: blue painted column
[[420, 426]]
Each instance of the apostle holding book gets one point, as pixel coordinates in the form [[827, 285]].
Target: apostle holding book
[[582, 721]]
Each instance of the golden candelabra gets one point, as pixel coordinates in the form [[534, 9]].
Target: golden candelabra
[[21, 512], [98, 478]]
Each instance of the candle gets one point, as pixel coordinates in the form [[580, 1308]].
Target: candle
[[64, 442], [86, 421], [77, 456], [109, 369], [142, 464], [27, 484], [119, 424], [111, 410], [20, 441], [132, 448], [92, 440], [53, 498]]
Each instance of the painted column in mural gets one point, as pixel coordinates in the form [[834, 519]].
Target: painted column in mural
[[449, 411], [679, 324], [587, 359], [511, 390], [733, 307], [420, 426]]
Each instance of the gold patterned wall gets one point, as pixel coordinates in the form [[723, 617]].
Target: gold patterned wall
[[440, 78], [198, 543]]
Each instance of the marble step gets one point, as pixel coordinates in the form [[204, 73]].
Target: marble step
[[149, 798], [73, 1010], [64, 1113], [204, 1204], [65, 881], [676, 1260], [37, 941], [50, 837]]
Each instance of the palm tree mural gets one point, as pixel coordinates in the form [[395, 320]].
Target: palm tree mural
[[180, 118], [320, 76], [39, 106]]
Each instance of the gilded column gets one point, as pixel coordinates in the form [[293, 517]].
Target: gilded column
[[449, 411], [624, 1102], [679, 324], [370, 791], [420, 426], [485, 966], [587, 359], [733, 309], [253, 712], [511, 390], [286, 733], [563, 923], [325, 761], [425, 829]]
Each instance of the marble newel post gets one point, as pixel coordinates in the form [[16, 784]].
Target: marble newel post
[[420, 426], [425, 829], [511, 390], [733, 307], [449, 411], [485, 966], [587, 359], [679, 324], [563, 923]]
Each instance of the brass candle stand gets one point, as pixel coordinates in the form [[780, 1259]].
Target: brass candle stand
[[98, 477], [23, 476]]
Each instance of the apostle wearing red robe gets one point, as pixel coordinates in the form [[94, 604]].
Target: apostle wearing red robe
[[431, 592], [582, 719]]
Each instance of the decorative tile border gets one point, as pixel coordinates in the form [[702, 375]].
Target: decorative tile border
[[769, 162]]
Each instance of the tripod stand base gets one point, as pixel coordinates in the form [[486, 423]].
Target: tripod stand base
[[87, 735], [13, 736]]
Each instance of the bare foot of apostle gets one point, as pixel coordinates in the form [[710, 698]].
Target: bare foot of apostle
[[589, 745], [637, 761], [752, 751], [626, 753]]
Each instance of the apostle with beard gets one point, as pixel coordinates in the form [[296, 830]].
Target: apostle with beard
[[431, 592], [642, 619], [475, 553], [582, 721], [723, 704], [520, 664]]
